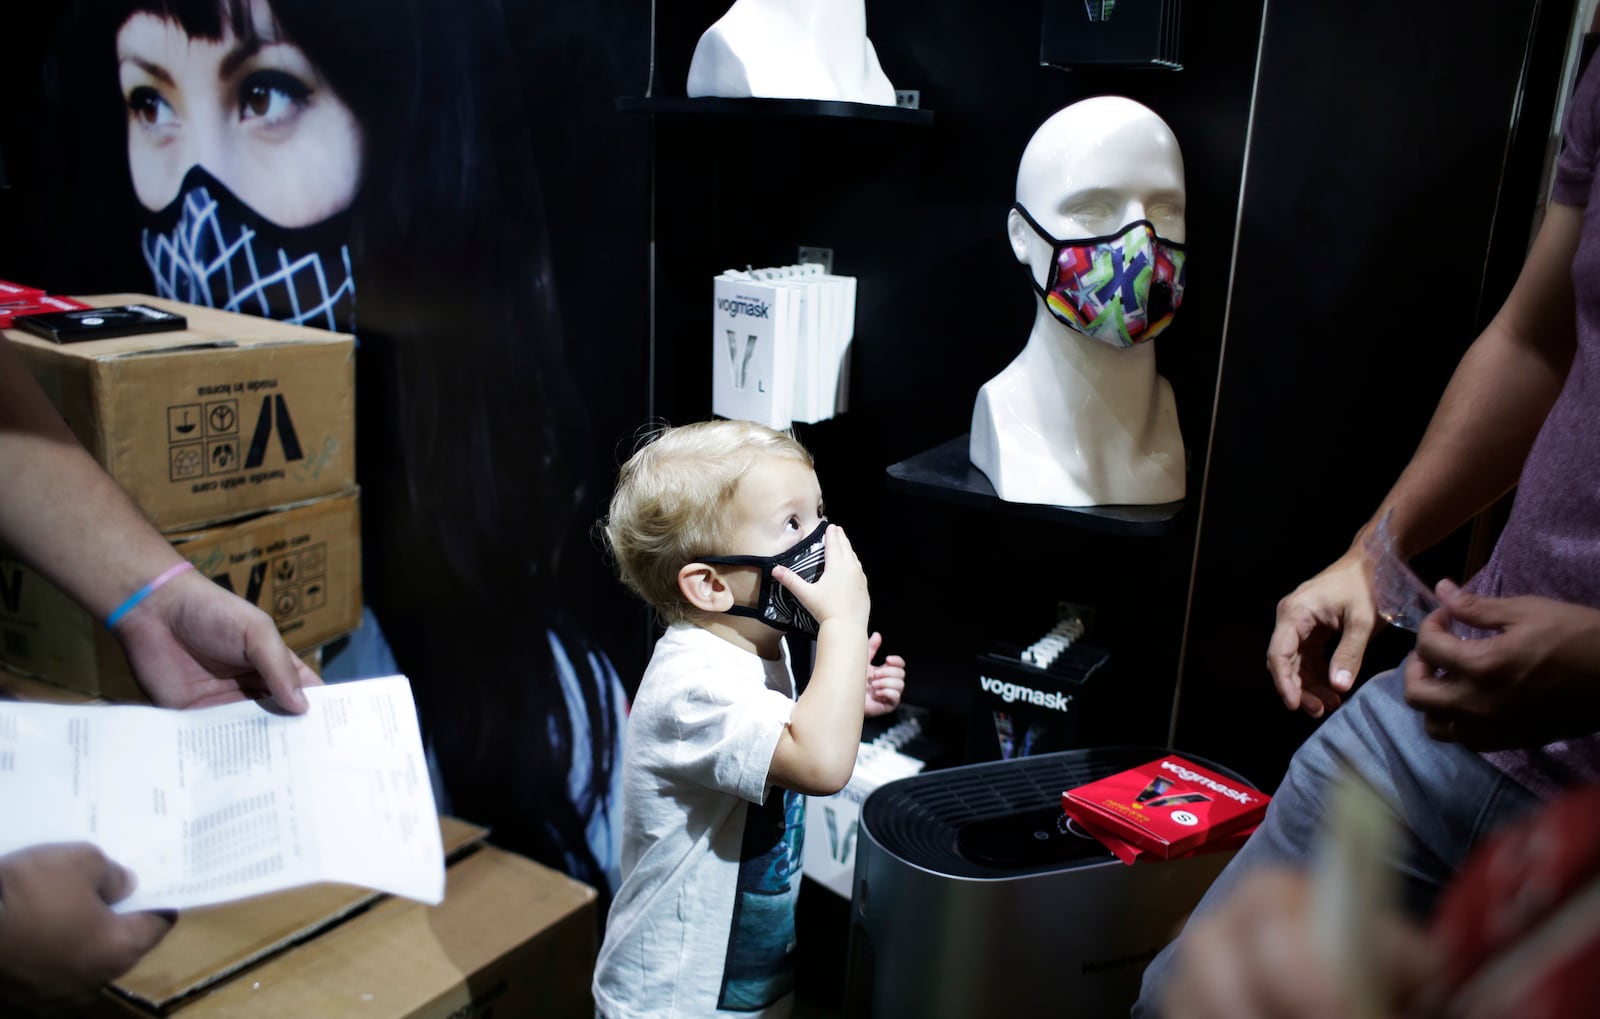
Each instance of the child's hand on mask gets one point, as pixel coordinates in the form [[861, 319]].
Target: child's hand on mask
[[840, 594]]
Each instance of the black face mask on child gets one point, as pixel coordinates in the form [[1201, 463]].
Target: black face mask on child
[[775, 606]]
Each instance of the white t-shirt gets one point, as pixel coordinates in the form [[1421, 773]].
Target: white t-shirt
[[703, 924]]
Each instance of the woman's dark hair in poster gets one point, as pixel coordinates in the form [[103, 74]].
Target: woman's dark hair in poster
[[473, 446]]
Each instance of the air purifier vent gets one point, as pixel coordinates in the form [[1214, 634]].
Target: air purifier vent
[[921, 818]]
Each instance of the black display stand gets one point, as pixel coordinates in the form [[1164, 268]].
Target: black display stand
[[945, 472]]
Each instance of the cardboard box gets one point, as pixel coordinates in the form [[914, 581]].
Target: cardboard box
[[302, 564], [19, 686], [23, 686], [512, 938], [231, 416]]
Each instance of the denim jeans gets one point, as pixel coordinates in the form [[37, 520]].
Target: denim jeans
[[1448, 798]]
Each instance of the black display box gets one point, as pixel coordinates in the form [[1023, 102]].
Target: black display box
[[1021, 709], [1111, 33]]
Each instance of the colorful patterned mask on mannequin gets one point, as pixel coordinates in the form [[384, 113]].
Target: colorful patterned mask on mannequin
[[1121, 289]]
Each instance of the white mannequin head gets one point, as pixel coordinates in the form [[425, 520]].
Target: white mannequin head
[[1091, 171], [790, 49], [1081, 418]]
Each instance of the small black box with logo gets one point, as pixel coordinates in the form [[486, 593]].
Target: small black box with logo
[[1030, 701], [100, 323]]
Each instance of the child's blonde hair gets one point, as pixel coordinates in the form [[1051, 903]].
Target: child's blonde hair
[[670, 505]]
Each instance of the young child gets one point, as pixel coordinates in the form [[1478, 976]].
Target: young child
[[719, 526]]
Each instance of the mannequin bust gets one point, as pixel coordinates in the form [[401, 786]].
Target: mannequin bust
[[790, 49], [1081, 418]]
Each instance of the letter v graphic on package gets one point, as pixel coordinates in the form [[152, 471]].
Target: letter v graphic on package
[[780, 344], [753, 354]]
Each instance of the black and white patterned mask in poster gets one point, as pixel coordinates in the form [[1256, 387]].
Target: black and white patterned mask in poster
[[210, 248]]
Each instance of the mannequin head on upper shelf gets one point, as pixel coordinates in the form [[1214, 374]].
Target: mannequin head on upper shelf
[[1081, 418], [790, 49]]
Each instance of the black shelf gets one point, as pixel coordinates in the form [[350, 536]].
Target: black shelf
[[762, 108], [945, 472]]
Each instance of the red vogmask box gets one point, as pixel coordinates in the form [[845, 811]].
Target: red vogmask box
[[1166, 808], [34, 305], [10, 292], [1128, 853]]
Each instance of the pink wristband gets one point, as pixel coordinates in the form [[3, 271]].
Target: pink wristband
[[145, 592]]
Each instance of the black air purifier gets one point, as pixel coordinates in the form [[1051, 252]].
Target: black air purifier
[[974, 896]]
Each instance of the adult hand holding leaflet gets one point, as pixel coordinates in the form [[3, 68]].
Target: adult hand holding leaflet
[[213, 804], [1404, 600]]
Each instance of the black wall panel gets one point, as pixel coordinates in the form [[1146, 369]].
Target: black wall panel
[[1394, 161]]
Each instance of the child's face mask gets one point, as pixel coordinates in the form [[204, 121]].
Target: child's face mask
[[775, 606]]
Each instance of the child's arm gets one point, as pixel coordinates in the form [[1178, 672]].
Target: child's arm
[[817, 750]]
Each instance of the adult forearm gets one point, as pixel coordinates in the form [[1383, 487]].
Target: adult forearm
[[59, 511], [1474, 448], [1475, 445]]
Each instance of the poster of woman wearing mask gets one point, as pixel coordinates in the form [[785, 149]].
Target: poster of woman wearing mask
[[247, 160], [365, 166]]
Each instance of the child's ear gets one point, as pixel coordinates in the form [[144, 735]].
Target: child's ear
[[704, 588]]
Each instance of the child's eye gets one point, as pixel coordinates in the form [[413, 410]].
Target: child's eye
[[792, 524]]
